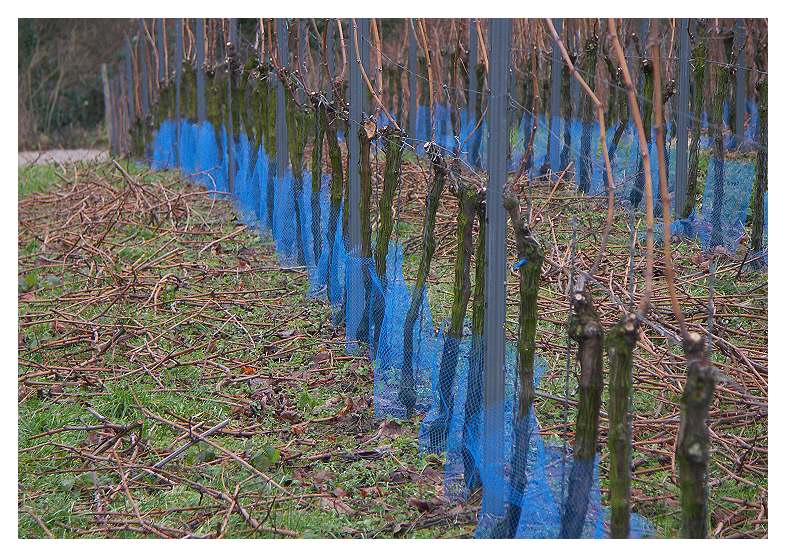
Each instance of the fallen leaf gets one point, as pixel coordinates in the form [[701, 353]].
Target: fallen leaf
[[430, 475], [321, 477], [424, 505], [389, 428], [372, 491], [337, 505], [289, 416], [320, 357], [420, 504], [348, 406]]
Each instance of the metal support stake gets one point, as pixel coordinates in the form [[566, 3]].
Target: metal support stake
[[282, 135], [233, 34], [330, 55], [556, 100], [683, 97], [302, 33], [178, 77], [358, 107], [230, 119], [161, 30], [108, 112], [472, 94], [121, 106], [494, 333], [739, 40], [143, 70], [412, 68], [200, 70], [130, 82], [115, 93]]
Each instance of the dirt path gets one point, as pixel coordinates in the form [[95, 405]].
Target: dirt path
[[61, 156]]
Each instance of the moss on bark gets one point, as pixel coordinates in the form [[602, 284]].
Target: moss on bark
[[620, 342], [760, 185], [693, 439], [407, 394], [699, 57]]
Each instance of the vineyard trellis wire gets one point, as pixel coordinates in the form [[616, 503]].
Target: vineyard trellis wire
[[243, 130]]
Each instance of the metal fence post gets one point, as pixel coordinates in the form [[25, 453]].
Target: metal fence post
[[130, 81], [412, 80], [233, 34], [178, 78], [556, 100], [122, 106], [358, 107], [143, 70], [496, 258], [282, 136], [739, 40], [472, 94], [114, 95], [330, 58], [230, 119], [200, 70], [683, 97], [160, 35], [302, 33], [108, 112]]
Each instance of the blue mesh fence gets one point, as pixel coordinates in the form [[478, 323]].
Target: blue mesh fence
[[541, 485], [585, 155], [546, 492], [724, 207]]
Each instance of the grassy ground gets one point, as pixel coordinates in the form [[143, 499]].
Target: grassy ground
[[211, 330], [34, 178], [147, 314]]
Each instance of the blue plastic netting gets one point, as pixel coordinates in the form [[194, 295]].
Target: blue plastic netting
[[537, 489]]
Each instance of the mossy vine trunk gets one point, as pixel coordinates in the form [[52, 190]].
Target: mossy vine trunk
[[320, 117], [760, 185], [336, 197], [529, 265], [474, 401], [407, 394], [393, 146], [693, 438], [462, 288], [620, 342], [585, 328], [366, 133], [699, 57]]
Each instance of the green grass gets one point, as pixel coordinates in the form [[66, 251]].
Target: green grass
[[56, 488], [36, 177], [59, 487]]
